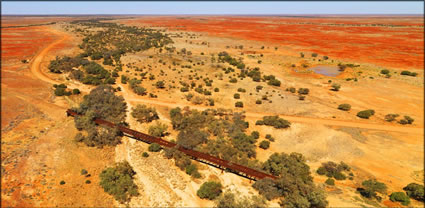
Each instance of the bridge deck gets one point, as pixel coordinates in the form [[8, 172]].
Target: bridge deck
[[240, 170]]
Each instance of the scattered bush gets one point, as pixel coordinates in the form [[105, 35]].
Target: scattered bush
[[370, 187], [239, 104], [264, 144], [336, 87], [76, 91], [209, 190], [255, 134], [62, 182], [145, 154], [158, 129], [344, 107], [408, 73], [330, 181], [303, 91], [229, 200], [269, 137], [385, 71], [233, 80], [154, 147], [391, 117], [118, 182], [276, 122], [406, 120], [366, 114], [400, 197], [84, 172], [88, 182], [258, 102], [334, 170], [236, 96], [415, 191], [143, 114]]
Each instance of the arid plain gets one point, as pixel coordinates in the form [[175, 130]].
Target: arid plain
[[38, 148]]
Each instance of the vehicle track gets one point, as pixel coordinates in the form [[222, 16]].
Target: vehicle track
[[36, 70]]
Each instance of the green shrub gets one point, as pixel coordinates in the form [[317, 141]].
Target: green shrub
[[400, 197], [76, 91], [407, 120], [366, 114], [84, 172], [391, 117], [274, 82], [370, 187], [291, 89], [154, 147], [158, 129], [330, 181], [239, 104], [275, 121], [303, 91], [62, 182], [339, 176], [258, 102], [344, 107], [237, 96], [145, 154], [336, 87], [321, 171], [142, 113], [209, 190], [233, 80], [88, 182], [415, 191], [264, 144], [118, 181], [269, 137], [385, 71], [259, 122], [408, 73], [255, 134], [216, 89]]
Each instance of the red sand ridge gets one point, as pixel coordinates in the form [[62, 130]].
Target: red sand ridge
[[396, 42]]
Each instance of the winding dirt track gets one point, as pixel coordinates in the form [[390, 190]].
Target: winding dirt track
[[36, 70]]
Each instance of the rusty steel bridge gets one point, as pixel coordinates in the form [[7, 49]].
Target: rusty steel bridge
[[195, 155]]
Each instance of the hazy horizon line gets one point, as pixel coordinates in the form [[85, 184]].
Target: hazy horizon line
[[307, 14]]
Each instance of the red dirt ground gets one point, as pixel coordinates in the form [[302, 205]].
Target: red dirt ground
[[351, 38]]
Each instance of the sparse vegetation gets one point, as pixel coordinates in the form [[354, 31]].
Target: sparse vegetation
[[370, 188], [209, 190], [400, 197], [154, 147], [415, 191], [331, 169], [336, 87], [118, 181], [274, 121], [366, 114], [144, 114], [344, 107]]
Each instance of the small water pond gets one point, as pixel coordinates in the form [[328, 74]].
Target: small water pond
[[331, 71]]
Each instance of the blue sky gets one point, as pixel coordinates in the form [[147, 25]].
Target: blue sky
[[213, 7]]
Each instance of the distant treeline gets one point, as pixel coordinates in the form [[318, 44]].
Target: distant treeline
[[32, 25]]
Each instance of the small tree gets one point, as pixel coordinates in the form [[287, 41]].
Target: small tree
[[391, 117], [415, 191], [154, 147], [407, 120], [400, 197], [370, 187], [385, 71], [366, 114], [160, 84], [264, 144], [330, 181], [209, 190], [236, 96], [303, 91], [255, 134], [336, 87], [142, 113], [344, 107], [76, 91], [239, 104], [158, 129]]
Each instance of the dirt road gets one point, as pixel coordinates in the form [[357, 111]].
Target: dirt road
[[36, 70]]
